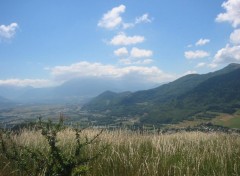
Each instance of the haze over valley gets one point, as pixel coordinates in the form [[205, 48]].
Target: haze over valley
[[119, 88], [121, 63]]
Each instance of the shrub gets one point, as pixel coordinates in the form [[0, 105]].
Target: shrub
[[50, 162]]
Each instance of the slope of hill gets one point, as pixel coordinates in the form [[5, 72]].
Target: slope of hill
[[107, 99], [222, 93], [181, 99]]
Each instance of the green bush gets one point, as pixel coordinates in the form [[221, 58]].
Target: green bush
[[52, 162]]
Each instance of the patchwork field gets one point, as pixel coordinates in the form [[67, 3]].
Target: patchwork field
[[231, 121]]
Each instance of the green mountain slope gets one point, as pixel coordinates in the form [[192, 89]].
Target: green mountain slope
[[220, 93], [181, 99], [107, 100]]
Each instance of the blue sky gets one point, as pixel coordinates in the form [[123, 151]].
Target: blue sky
[[45, 43]]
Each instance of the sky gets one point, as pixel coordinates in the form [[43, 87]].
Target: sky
[[48, 42]]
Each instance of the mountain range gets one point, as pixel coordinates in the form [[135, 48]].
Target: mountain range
[[78, 90], [183, 99]]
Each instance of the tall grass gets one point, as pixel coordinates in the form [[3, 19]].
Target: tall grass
[[192, 153], [134, 154]]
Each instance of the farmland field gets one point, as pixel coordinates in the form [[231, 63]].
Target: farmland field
[[231, 121]]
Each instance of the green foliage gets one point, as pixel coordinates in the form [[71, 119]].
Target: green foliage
[[179, 100], [53, 161]]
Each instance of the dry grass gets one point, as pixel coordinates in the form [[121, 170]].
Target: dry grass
[[134, 154]]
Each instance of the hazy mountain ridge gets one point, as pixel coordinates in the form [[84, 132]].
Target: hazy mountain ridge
[[74, 91], [181, 99]]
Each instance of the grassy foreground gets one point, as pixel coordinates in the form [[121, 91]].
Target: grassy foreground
[[134, 154]]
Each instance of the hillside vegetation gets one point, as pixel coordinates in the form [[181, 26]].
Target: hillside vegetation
[[184, 99]]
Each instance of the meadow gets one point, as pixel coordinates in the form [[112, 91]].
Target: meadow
[[131, 153]]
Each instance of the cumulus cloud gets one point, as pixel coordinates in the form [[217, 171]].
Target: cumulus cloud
[[112, 18], [8, 31], [123, 39], [27, 82], [227, 55], [232, 14], [87, 69], [230, 53], [143, 19], [136, 56], [121, 52], [196, 54], [140, 53], [201, 42], [235, 36]]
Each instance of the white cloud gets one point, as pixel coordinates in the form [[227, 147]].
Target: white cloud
[[140, 53], [7, 32], [112, 18], [196, 54], [143, 19], [201, 42], [201, 64], [232, 13], [136, 56], [227, 55], [121, 52], [60, 74], [122, 39], [235, 36], [27, 82], [230, 53], [87, 69]]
